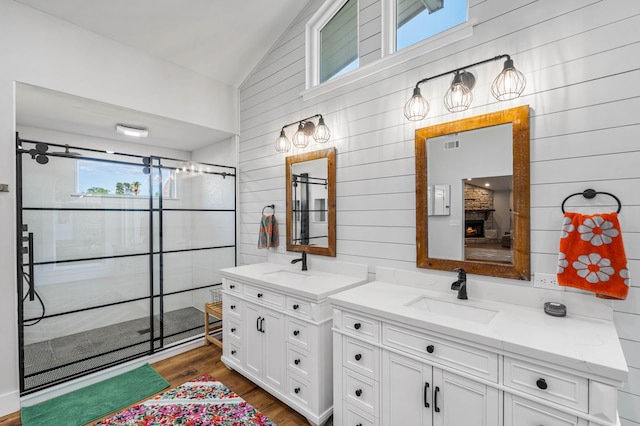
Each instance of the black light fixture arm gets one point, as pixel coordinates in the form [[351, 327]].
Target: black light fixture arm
[[304, 120], [424, 80]]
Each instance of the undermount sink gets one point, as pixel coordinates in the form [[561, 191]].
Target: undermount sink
[[287, 275], [454, 310]]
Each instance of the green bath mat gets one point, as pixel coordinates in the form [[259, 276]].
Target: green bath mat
[[94, 401]]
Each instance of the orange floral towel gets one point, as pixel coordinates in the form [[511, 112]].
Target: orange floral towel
[[592, 255], [268, 234]]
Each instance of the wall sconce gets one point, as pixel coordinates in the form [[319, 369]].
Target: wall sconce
[[509, 84], [307, 129]]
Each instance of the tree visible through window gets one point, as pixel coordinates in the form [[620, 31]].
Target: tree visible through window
[[102, 178], [339, 42]]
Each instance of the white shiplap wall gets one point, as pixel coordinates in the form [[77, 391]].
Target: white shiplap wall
[[582, 62]]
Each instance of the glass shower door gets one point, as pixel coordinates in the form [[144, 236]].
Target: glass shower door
[[85, 275]]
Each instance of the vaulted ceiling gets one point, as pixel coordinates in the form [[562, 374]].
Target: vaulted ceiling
[[221, 39]]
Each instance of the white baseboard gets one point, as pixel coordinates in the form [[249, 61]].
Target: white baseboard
[[9, 403]]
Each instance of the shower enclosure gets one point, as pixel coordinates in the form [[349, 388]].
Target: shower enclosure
[[117, 255]]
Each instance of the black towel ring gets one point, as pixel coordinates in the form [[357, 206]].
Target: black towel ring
[[270, 206], [591, 193]]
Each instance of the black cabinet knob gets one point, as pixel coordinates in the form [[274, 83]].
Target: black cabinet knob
[[357, 326], [295, 307], [232, 286], [297, 390], [358, 357], [259, 295], [358, 392], [430, 349], [233, 352], [296, 332], [232, 307], [233, 330], [542, 383], [297, 361]]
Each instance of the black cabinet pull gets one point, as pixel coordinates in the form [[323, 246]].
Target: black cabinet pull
[[435, 400], [295, 307], [297, 361], [258, 323], [430, 349], [358, 392], [358, 357], [297, 390], [233, 352], [542, 383], [359, 424], [426, 395], [233, 330], [357, 326], [232, 307], [296, 332], [232, 286], [259, 295], [262, 325]]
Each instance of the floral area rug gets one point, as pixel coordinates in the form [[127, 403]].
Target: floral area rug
[[203, 401]]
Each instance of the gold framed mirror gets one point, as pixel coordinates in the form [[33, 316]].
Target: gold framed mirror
[[456, 213], [311, 202]]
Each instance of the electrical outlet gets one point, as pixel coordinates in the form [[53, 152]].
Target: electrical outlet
[[548, 281]]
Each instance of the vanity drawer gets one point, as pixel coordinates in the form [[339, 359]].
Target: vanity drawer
[[554, 385], [234, 330], [353, 417], [360, 391], [298, 307], [231, 286], [361, 357], [298, 361], [519, 412], [298, 333], [298, 390], [465, 358], [232, 307], [264, 297], [234, 351], [361, 326]]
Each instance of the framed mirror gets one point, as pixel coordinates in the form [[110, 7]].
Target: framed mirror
[[311, 202], [472, 195]]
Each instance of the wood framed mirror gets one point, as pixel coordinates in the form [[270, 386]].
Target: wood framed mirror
[[460, 222], [311, 202]]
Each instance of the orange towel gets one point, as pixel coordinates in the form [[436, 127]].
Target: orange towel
[[268, 234], [592, 255]]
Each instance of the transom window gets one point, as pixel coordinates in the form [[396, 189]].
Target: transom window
[[417, 20], [339, 42]]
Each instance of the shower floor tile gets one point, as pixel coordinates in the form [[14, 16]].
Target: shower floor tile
[[54, 360]]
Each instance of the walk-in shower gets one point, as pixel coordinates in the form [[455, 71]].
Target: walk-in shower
[[117, 254]]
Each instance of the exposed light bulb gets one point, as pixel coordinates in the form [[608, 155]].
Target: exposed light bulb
[[509, 84], [282, 144], [300, 139], [459, 96], [417, 107], [322, 133]]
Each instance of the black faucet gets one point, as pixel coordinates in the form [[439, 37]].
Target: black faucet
[[303, 259], [461, 284]]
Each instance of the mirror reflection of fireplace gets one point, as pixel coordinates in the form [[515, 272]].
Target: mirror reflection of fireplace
[[474, 228]]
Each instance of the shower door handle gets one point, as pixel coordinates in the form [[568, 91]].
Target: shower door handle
[[31, 281]]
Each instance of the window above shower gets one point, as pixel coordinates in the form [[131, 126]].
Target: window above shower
[[118, 180]]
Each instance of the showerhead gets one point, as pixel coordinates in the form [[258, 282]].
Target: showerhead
[[66, 153]]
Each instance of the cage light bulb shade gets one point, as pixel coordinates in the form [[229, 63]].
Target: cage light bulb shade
[[322, 133], [417, 107], [459, 96], [509, 84], [300, 138], [282, 143]]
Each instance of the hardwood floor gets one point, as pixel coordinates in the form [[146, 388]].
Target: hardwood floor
[[206, 360]]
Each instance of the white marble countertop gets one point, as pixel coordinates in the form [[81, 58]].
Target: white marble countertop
[[585, 344], [313, 284]]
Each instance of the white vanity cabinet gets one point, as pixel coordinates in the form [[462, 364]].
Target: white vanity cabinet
[[394, 365], [279, 334]]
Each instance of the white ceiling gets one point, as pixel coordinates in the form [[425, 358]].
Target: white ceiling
[[221, 39]]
